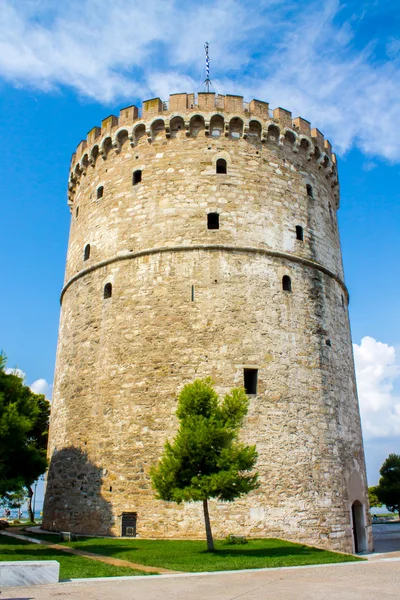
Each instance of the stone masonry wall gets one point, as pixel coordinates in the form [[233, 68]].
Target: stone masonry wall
[[192, 302]]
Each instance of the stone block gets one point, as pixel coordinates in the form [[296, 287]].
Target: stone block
[[28, 572]]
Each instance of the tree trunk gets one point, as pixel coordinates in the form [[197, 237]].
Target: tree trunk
[[210, 541], [30, 511]]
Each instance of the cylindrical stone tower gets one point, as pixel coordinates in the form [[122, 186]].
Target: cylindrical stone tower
[[204, 242]]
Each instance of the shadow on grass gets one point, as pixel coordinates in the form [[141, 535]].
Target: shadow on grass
[[268, 552]]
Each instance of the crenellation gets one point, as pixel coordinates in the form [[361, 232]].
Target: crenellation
[[302, 126], [93, 134], [230, 106], [178, 102], [206, 101], [80, 148], [318, 137], [220, 102], [108, 124], [233, 104], [128, 115], [152, 107], [328, 148], [283, 116], [258, 108]]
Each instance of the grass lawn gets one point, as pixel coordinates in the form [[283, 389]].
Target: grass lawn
[[192, 555], [71, 566]]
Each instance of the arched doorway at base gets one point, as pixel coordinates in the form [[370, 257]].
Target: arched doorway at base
[[358, 522]]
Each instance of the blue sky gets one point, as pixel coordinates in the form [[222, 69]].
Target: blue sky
[[66, 66]]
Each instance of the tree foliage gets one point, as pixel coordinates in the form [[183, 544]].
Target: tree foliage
[[373, 497], [206, 460], [24, 423], [388, 490]]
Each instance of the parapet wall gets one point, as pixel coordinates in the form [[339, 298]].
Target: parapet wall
[[208, 114]]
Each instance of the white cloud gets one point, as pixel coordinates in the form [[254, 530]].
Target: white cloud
[[41, 386], [17, 372], [377, 374], [313, 62]]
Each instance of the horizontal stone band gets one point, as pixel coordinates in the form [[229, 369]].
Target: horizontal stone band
[[207, 247]]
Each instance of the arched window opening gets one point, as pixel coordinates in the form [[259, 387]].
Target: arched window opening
[[86, 252], [94, 154], [139, 134], [100, 192], [107, 145], [254, 130], [236, 128], [213, 221], [310, 192], [122, 137], [107, 291], [221, 166], [286, 283], [250, 377], [216, 126], [290, 138], [76, 212], [177, 125], [273, 133], [136, 177], [196, 125], [157, 130], [299, 233]]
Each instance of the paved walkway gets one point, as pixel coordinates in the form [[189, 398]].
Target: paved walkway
[[347, 581], [118, 562]]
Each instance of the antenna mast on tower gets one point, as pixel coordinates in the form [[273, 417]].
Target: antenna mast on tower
[[207, 81]]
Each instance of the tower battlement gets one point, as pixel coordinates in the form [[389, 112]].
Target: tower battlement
[[232, 117]]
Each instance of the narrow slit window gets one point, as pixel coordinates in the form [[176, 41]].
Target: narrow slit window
[[136, 177], [286, 283], [221, 166], [192, 294], [310, 190], [250, 380], [107, 291], [213, 221], [100, 192], [299, 233], [86, 252], [76, 212]]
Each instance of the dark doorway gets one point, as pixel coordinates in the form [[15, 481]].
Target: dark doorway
[[128, 528], [359, 537]]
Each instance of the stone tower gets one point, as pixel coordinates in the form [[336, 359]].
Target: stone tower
[[204, 242]]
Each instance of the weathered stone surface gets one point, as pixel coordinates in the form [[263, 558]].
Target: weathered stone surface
[[28, 572], [192, 302]]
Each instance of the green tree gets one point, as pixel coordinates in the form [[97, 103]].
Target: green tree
[[388, 490], [24, 423], [15, 499], [373, 497], [206, 460]]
